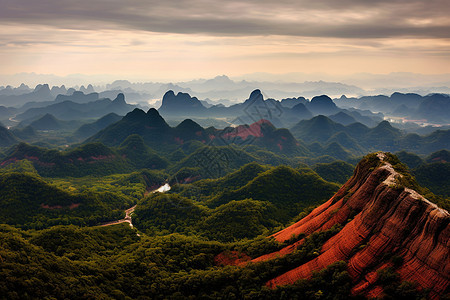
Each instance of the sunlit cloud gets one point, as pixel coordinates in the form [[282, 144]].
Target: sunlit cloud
[[191, 39]]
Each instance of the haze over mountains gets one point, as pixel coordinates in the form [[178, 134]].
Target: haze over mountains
[[236, 88], [231, 196]]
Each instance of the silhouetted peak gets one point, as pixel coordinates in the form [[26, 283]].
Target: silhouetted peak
[[42, 88], [47, 122], [168, 94], [136, 114], [384, 124], [255, 94], [181, 103], [324, 99], [120, 99], [152, 112], [190, 125]]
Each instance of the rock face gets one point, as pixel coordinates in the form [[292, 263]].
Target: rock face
[[381, 219], [181, 104]]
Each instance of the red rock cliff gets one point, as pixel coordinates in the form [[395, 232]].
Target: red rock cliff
[[381, 218]]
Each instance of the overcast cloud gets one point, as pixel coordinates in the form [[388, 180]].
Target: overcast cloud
[[180, 40], [325, 18]]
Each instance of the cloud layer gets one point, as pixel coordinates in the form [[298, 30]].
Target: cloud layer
[[323, 18], [184, 39]]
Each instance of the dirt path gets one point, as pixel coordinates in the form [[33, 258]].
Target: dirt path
[[127, 218], [128, 212]]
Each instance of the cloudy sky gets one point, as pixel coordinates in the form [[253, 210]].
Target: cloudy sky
[[179, 40]]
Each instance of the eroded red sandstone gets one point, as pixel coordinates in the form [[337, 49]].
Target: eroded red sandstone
[[381, 218]]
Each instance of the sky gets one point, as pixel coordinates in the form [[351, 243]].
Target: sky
[[182, 40]]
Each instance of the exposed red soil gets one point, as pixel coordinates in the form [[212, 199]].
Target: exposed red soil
[[231, 258], [244, 131], [380, 219]]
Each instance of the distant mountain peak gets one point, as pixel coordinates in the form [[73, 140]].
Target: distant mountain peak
[[120, 99], [152, 112], [384, 124], [222, 78], [256, 93], [189, 124], [169, 93], [155, 119], [46, 122], [136, 114], [42, 88], [180, 104]]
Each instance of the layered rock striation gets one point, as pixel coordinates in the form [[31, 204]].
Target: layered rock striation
[[382, 218]]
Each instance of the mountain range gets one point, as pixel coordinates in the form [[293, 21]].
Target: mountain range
[[80, 108]]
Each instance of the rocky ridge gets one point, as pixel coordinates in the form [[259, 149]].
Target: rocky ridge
[[381, 219]]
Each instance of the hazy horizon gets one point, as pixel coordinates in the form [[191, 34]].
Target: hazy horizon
[[167, 41], [364, 80]]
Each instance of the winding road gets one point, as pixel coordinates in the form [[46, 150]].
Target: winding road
[[127, 218], [128, 212]]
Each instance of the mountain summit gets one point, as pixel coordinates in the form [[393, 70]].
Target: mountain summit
[[386, 227], [180, 104]]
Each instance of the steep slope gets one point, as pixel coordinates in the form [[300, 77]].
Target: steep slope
[[384, 136], [151, 126], [322, 105], [319, 128], [382, 219], [47, 122], [90, 129], [263, 134], [435, 108], [139, 155], [288, 190], [342, 118]]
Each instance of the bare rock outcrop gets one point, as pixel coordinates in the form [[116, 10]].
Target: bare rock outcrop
[[382, 218]]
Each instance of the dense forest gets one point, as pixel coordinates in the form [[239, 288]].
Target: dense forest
[[183, 240]]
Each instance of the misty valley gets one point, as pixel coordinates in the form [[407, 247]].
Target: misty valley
[[155, 191]]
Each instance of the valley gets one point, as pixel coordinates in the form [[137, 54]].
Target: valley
[[289, 197]]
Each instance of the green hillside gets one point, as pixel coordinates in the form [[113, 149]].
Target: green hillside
[[93, 158], [28, 201]]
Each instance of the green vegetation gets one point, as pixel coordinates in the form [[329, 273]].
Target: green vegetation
[[88, 159], [249, 202], [29, 202], [132, 186], [224, 199], [408, 180], [338, 171], [60, 262], [435, 176], [410, 159], [139, 155], [214, 162], [288, 190]]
